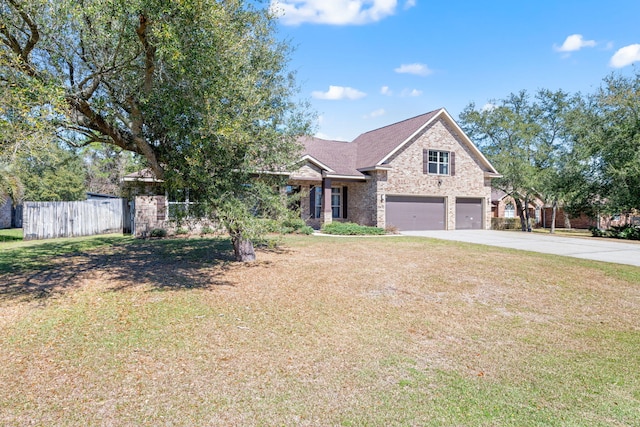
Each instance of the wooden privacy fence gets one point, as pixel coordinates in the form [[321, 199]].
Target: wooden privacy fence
[[46, 220]]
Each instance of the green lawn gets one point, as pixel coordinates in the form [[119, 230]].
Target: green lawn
[[10, 234], [389, 331]]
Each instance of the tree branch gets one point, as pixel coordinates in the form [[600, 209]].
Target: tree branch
[[34, 36], [149, 52], [87, 118]]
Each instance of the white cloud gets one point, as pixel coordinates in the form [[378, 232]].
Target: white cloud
[[386, 91], [377, 113], [417, 69], [410, 93], [338, 92], [488, 107], [333, 12], [409, 4], [573, 43], [625, 56]]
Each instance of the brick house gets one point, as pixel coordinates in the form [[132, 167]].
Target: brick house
[[504, 206], [422, 173]]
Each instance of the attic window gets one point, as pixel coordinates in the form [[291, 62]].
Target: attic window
[[438, 162]]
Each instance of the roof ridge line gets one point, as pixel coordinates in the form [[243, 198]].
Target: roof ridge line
[[401, 121]]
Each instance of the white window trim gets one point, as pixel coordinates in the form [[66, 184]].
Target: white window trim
[[439, 163]]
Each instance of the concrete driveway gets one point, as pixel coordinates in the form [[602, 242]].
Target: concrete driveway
[[607, 250]]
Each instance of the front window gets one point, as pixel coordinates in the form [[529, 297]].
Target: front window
[[336, 202], [509, 211], [318, 202], [438, 162]]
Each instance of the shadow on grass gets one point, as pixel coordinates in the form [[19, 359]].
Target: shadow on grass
[[10, 235], [51, 268]]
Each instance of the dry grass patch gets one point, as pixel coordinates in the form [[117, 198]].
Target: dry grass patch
[[355, 331]]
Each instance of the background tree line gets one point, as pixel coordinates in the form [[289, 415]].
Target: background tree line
[[579, 151], [56, 172]]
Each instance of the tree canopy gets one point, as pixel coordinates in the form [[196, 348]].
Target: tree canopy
[[199, 88], [582, 151]]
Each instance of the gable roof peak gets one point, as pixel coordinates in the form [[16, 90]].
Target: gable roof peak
[[426, 116], [378, 144]]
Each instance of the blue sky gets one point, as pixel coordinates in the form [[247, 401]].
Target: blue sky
[[364, 64]]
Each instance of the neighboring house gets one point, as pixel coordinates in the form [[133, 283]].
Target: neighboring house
[[583, 221], [422, 173], [504, 206]]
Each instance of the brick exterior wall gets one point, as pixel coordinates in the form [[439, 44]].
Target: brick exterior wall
[[407, 177], [150, 214], [366, 199]]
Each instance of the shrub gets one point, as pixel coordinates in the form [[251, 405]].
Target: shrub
[[627, 232], [158, 232], [392, 229], [350, 229], [505, 223], [207, 230], [270, 225], [294, 223], [286, 226], [181, 230], [305, 230]]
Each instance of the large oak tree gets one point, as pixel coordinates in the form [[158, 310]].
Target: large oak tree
[[198, 87]]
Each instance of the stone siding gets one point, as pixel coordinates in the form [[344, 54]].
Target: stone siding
[[361, 203], [366, 199], [151, 212], [407, 177], [307, 171]]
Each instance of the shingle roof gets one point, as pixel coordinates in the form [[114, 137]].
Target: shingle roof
[[345, 158], [375, 145], [340, 156], [373, 148], [143, 175]]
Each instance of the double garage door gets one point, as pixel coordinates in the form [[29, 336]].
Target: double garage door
[[429, 213]]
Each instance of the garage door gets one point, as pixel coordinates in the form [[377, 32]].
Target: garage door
[[468, 214], [415, 213]]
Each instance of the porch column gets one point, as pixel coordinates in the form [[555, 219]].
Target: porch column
[[326, 201]]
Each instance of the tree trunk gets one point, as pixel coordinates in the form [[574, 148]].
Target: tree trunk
[[523, 219], [243, 248], [526, 213], [554, 211], [567, 221]]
